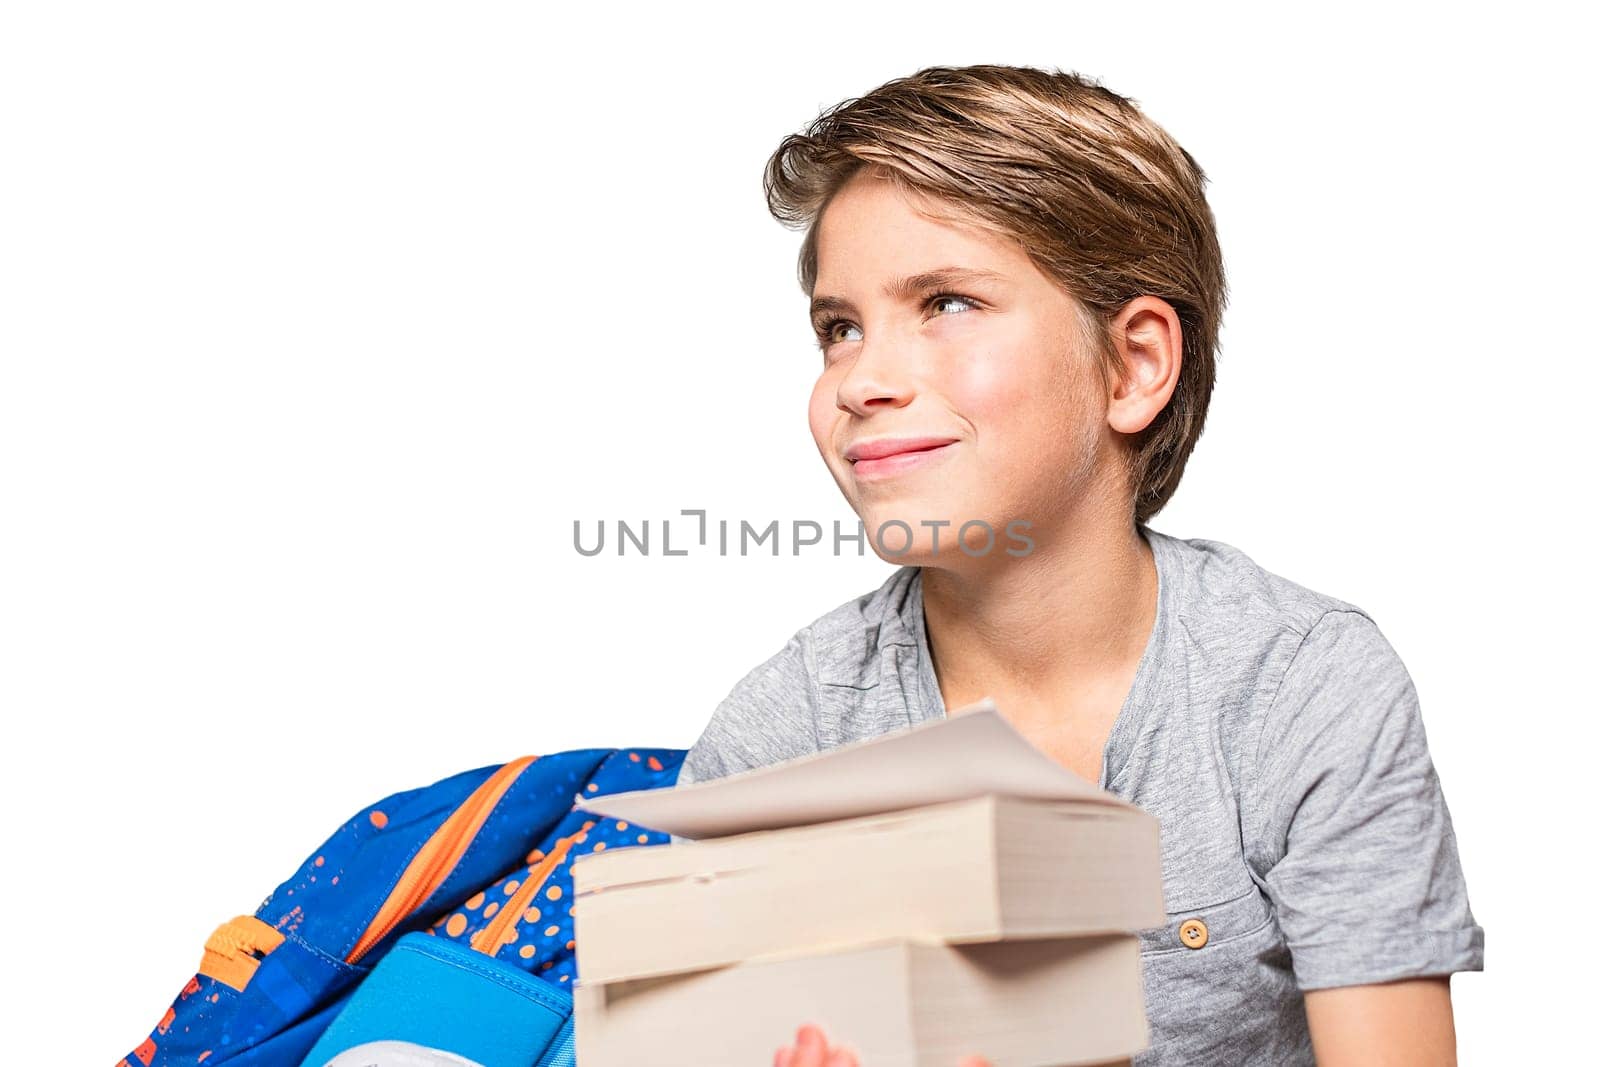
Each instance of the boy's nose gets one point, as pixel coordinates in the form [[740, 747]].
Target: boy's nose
[[878, 378]]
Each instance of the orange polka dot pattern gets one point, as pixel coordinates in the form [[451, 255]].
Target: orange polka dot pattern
[[543, 935]]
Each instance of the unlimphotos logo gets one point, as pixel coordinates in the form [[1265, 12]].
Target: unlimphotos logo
[[892, 537]]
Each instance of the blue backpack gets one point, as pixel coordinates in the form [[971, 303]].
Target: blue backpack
[[437, 919]]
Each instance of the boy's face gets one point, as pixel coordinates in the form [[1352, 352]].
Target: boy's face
[[995, 367]]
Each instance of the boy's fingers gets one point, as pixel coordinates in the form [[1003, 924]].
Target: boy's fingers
[[782, 1057], [842, 1057], [810, 1047]]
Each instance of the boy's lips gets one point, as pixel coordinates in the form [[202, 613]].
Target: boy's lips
[[884, 447], [886, 458]]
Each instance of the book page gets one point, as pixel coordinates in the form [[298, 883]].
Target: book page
[[972, 752]]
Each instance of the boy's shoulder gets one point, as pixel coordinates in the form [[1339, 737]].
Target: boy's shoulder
[[772, 713], [1259, 641], [1220, 591]]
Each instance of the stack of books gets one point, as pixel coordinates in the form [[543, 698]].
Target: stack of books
[[939, 892]]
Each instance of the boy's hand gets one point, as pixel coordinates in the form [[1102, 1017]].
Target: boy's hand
[[810, 1049]]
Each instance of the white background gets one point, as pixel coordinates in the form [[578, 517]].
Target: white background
[[323, 322]]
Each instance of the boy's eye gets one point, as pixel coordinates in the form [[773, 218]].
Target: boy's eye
[[827, 331], [943, 297]]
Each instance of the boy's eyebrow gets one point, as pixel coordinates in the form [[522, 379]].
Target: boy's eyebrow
[[909, 286]]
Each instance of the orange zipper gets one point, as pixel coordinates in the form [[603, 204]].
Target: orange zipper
[[493, 937], [438, 856]]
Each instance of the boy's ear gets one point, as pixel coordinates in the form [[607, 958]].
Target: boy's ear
[[1149, 342]]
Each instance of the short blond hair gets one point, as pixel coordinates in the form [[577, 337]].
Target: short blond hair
[[1101, 198]]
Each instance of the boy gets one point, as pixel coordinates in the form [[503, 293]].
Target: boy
[[1016, 288]]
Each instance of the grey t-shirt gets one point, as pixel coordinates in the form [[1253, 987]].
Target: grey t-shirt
[[1272, 730]]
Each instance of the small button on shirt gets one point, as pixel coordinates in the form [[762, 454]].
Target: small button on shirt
[[1274, 733]]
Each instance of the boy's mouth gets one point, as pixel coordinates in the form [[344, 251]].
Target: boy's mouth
[[885, 447], [887, 457]]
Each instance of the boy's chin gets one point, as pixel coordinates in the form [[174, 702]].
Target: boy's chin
[[917, 539]]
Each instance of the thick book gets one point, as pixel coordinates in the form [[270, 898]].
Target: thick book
[[982, 869], [899, 1003], [957, 828]]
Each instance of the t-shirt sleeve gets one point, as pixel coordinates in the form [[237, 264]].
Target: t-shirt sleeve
[[1367, 884], [768, 717]]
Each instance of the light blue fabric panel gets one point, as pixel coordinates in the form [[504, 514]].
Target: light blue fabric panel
[[434, 992]]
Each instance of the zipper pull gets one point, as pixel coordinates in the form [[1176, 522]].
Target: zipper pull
[[236, 948]]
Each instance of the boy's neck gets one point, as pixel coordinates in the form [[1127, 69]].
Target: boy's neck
[[1070, 619]]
